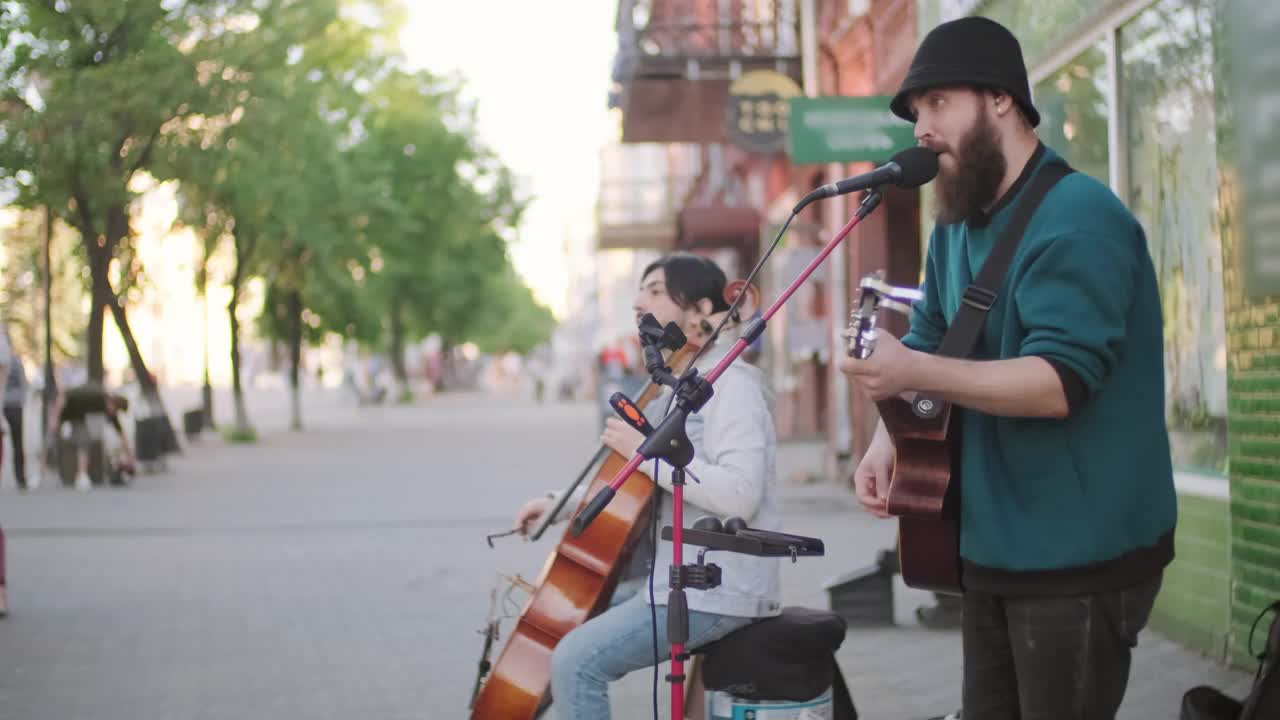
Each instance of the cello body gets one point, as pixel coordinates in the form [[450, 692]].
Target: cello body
[[576, 585]]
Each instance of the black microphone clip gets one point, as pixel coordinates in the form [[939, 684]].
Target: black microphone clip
[[653, 334], [654, 338]]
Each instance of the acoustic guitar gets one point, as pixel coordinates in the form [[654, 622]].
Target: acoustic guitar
[[924, 488]]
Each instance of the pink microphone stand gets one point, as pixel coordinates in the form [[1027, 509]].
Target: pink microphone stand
[[669, 442]]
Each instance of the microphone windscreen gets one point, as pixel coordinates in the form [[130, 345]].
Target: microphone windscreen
[[919, 165]]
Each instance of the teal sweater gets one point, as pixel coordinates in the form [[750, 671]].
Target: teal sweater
[[1078, 504]]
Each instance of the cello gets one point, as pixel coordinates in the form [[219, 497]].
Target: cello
[[577, 581]]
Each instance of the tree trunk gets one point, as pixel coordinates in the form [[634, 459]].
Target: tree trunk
[[295, 358], [397, 345], [50, 386], [202, 285], [244, 250], [237, 389], [206, 391], [146, 383], [166, 439], [101, 291], [98, 249]]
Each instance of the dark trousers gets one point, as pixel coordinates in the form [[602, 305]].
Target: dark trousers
[[13, 416], [1051, 658]]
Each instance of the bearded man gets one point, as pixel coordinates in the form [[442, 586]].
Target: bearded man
[[1067, 502]]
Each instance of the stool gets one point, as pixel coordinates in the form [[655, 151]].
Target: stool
[[783, 663]]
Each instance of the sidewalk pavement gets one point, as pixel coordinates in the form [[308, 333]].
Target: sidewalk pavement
[[324, 573]]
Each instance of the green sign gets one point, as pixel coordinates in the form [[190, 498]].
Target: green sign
[[846, 129]]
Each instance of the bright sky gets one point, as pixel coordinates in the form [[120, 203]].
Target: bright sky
[[539, 73]]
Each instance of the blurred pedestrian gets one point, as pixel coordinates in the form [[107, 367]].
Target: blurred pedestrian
[[89, 408], [15, 397], [6, 352]]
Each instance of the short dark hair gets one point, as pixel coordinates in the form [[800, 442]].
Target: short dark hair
[[691, 278]]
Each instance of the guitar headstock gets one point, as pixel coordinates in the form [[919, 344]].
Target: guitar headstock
[[860, 334], [873, 294]]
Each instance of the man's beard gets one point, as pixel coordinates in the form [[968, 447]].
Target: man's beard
[[980, 168]]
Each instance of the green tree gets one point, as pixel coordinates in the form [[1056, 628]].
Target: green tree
[[310, 279], [440, 211], [269, 176], [352, 187], [510, 319], [92, 90], [22, 288], [409, 162]]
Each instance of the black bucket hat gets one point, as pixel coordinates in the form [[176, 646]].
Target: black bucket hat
[[970, 51]]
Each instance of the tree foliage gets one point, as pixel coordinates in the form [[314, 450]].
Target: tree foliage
[[352, 186]]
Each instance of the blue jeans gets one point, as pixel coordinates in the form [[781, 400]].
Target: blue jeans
[[614, 643]]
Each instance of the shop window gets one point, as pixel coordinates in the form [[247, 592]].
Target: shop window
[[1040, 25], [1168, 112], [1074, 111]]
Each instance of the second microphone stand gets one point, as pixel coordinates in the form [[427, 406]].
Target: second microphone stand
[[669, 442]]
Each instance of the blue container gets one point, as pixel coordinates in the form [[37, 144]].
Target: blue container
[[723, 706]]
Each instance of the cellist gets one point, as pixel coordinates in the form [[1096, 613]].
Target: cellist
[[735, 446]]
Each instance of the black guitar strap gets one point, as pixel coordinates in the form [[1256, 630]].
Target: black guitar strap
[[981, 295]]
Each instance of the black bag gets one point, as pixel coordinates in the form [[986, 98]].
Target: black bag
[[1206, 703], [788, 657], [1262, 703], [154, 438]]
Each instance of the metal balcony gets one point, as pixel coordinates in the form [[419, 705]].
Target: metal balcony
[[702, 39], [677, 58], [643, 187]]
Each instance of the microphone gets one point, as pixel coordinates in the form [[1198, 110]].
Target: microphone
[[910, 168]]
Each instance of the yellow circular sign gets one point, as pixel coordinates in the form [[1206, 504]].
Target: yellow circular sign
[[757, 109]]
